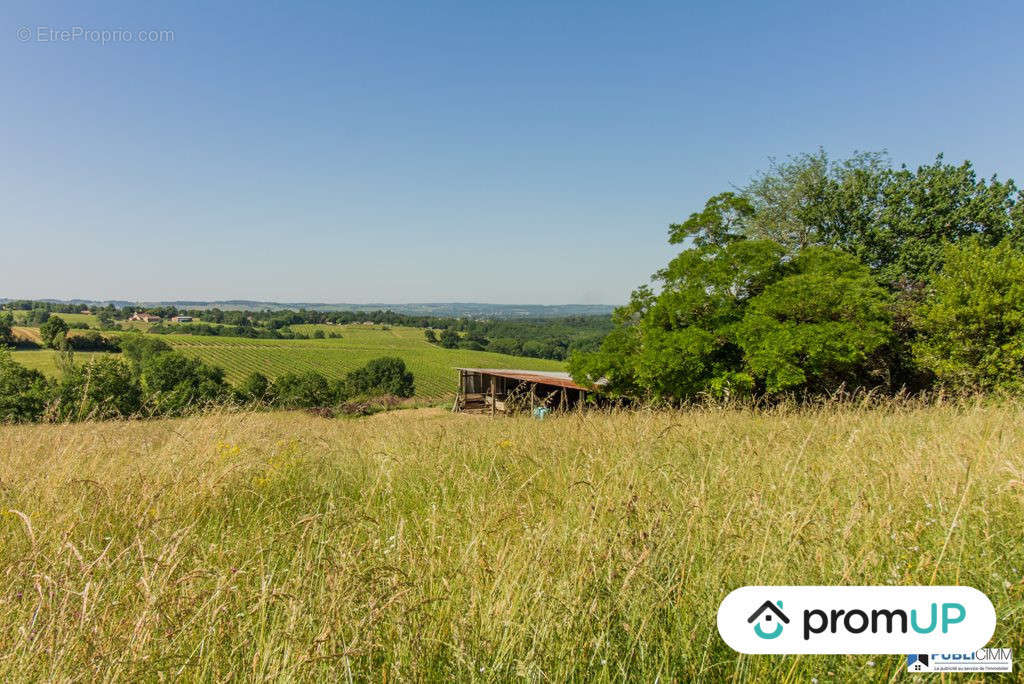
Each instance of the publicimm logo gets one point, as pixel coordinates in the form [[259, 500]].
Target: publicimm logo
[[982, 660], [863, 620]]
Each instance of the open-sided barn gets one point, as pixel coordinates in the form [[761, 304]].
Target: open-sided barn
[[499, 390]]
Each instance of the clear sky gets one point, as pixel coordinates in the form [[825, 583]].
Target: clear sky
[[506, 152]]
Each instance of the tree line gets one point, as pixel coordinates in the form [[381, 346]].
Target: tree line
[[150, 379], [823, 275], [547, 338]]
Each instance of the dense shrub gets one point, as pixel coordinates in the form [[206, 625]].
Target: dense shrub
[[137, 347], [24, 393], [386, 375], [505, 345], [176, 384], [971, 327], [91, 340], [255, 388], [104, 387], [303, 390]]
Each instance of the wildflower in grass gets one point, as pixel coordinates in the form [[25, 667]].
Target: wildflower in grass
[[505, 444], [226, 451]]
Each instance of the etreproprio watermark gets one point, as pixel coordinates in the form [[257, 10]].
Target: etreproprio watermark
[[100, 36]]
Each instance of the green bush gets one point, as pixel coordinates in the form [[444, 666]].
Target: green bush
[[91, 340], [175, 383], [971, 327], [255, 388], [386, 375], [449, 339], [138, 347], [303, 390], [24, 393], [103, 388]]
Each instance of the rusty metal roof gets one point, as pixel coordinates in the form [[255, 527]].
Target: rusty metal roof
[[556, 378]]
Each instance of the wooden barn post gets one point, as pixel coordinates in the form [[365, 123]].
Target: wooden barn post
[[494, 394]]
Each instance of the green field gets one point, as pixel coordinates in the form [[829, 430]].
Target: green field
[[45, 360], [88, 319], [432, 366]]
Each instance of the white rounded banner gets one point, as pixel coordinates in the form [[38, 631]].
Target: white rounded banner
[[865, 620]]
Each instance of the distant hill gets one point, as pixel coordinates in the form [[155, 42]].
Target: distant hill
[[446, 309]]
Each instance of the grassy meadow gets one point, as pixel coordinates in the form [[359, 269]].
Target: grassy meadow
[[424, 545], [69, 318], [433, 366]]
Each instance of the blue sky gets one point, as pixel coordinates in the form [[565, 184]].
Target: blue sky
[[528, 152]]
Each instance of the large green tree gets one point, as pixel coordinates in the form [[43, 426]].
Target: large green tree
[[896, 221], [743, 316], [817, 328]]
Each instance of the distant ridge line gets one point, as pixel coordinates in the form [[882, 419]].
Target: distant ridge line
[[441, 309]]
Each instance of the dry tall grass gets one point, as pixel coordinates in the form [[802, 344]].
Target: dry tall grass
[[423, 545]]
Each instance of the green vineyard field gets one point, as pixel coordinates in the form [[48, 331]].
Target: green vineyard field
[[432, 366]]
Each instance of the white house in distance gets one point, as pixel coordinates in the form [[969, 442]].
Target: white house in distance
[[144, 317], [182, 319]]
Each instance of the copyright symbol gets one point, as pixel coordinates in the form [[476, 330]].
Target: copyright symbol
[[24, 34]]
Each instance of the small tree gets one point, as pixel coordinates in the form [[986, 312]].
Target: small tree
[[430, 335], [449, 339], [53, 332], [6, 329], [105, 319]]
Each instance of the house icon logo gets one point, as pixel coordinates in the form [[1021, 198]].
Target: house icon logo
[[917, 662], [769, 620]]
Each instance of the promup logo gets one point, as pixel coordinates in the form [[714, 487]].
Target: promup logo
[[767, 612], [862, 620]]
